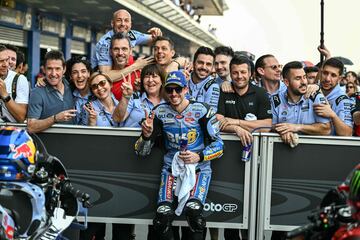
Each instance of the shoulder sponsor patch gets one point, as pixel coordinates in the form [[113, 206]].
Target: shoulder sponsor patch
[[131, 36], [339, 99], [276, 100], [209, 83]]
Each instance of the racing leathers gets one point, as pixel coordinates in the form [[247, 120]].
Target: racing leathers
[[198, 123]]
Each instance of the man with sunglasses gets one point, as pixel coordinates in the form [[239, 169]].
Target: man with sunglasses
[[53, 103], [192, 139], [268, 70], [13, 107]]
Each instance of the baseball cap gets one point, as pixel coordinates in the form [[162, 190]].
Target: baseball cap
[[176, 77]]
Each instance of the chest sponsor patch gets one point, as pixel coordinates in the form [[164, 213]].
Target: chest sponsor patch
[[230, 102]]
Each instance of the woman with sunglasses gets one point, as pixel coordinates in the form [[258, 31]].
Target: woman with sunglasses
[[100, 110], [350, 89], [132, 106]]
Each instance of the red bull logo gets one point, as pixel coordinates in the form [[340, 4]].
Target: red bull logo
[[25, 150]]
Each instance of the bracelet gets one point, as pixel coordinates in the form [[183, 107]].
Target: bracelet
[[55, 120]]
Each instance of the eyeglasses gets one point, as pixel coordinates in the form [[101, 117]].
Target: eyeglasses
[[97, 85], [170, 90], [275, 67]]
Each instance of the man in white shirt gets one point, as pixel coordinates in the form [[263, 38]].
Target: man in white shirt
[[14, 91]]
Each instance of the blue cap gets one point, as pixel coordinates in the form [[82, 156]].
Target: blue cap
[[176, 77]]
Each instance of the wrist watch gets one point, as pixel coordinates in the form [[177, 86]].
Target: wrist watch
[[6, 99]]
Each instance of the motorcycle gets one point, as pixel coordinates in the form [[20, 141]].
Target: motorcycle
[[44, 205], [338, 215]]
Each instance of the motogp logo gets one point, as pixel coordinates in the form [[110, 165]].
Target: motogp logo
[[226, 207]]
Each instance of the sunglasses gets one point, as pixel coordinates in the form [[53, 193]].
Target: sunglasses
[[97, 85], [170, 90], [275, 67]]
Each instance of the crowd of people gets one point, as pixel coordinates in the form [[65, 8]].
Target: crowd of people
[[218, 90]]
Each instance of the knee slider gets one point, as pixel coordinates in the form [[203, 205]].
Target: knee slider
[[163, 218], [194, 217]]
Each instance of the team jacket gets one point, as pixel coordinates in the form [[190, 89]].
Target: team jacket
[[197, 122]]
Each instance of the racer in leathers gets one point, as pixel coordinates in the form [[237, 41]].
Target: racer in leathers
[[174, 120]]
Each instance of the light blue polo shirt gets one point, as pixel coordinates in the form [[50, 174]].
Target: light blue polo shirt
[[104, 118], [136, 109], [341, 105], [301, 112], [48, 101], [81, 114], [102, 50], [207, 91], [282, 87]]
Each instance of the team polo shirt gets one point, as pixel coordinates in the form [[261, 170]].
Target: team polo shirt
[[81, 114], [207, 91], [104, 118], [254, 101], [282, 87], [301, 112], [48, 101], [102, 50], [341, 105], [137, 106]]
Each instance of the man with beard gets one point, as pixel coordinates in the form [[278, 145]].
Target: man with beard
[[292, 112], [223, 56], [202, 86], [121, 23], [339, 107]]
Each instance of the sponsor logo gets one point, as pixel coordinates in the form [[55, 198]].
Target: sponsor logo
[[169, 184], [202, 187], [189, 119], [179, 116], [212, 156], [170, 115], [174, 137], [189, 114], [229, 102], [197, 114], [24, 150], [251, 104], [284, 113], [217, 207], [168, 121]]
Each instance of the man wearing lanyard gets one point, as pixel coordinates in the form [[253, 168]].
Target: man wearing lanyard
[[202, 86]]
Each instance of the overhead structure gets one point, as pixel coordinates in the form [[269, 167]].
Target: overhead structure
[[172, 17]]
